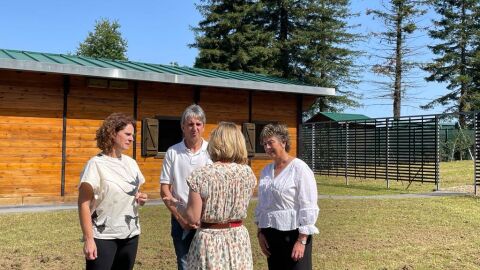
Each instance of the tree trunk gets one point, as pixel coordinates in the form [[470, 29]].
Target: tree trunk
[[462, 101], [397, 92], [284, 57]]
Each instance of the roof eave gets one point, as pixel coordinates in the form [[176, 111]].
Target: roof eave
[[113, 73]]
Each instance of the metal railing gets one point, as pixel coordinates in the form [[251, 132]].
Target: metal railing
[[402, 149], [476, 124]]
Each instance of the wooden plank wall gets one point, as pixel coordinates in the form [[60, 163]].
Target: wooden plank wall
[[279, 107], [87, 108], [156, 99], [31, 105], [223, 105]]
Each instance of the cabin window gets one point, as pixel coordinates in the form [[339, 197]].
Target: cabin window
[[259, 149], [158, 134], [170, 133]]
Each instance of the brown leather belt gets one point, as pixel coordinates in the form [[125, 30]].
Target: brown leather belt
[[230, 224]]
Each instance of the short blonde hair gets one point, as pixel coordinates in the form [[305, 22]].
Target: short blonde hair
[[280, 131], [227, 144]]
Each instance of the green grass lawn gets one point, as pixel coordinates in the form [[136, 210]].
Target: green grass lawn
[[434, 233], [428, 233], [452, 174]]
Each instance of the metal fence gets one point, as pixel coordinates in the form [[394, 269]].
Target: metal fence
[[404, 149], [407, 149], [476, 124]]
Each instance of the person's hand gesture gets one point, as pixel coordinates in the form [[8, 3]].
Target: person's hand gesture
[[170, 201], [90, 249], [298, 251], [141, 198], [262, 241]]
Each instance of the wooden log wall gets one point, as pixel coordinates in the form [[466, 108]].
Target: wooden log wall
[[87, 108], [156, 99], [31, 106], [223, 105], [267, 107]]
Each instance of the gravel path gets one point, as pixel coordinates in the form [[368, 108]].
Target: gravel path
[[50, 207]]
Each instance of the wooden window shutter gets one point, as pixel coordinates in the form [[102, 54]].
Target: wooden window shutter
[[248, 130], [149, 137]]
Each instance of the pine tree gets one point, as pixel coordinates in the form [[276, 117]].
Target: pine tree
[[323, 51], [275, 17], [105, 42], [395, 51], [305, 40], [228, 38], [458, 54], [313, 42]]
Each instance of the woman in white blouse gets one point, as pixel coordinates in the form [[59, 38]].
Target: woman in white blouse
[[287, 204]]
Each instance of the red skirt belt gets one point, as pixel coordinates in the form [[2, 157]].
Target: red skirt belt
[[230, 224]]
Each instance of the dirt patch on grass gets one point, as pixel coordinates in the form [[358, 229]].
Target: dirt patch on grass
[[465, 189]]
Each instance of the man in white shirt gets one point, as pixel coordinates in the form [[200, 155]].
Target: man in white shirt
[[180, 160]]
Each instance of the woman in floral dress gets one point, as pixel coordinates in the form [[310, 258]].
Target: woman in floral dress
[[218, 202]]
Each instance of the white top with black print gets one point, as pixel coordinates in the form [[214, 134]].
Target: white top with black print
[[115, 182]]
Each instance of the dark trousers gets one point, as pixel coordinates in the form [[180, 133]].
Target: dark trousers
[[181, 242], [115, 254], [280, 245]]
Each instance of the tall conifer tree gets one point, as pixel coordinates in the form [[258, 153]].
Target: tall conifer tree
[[323, 50], [308, 40], [396, 53], [228, 37], [458, 54]]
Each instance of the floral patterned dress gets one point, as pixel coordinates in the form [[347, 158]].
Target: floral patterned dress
[[225, 189]]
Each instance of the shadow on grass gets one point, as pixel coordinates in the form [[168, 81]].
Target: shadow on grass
[[370, 188], [356, 187], [452, 178]]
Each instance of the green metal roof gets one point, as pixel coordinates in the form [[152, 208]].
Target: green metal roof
[[340, 117], [87, 66]]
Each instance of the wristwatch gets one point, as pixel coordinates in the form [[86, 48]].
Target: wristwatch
[[303, 242]]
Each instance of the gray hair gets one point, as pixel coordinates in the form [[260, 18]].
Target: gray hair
[[278, 130], [194, 111]]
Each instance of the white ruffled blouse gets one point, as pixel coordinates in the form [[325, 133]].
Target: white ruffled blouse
[[288, 201]]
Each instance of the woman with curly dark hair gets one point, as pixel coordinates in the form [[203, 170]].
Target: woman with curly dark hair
[[109, 197]]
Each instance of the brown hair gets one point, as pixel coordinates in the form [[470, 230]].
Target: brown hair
[[106, 133], [227, 144], [278, 130]]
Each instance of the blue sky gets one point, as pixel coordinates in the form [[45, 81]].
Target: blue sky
[[157, 31]]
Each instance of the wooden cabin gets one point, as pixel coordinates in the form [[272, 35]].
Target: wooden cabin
[[51, 106]]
